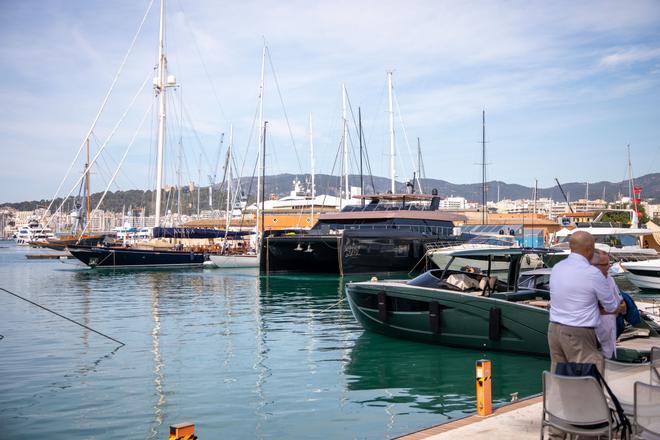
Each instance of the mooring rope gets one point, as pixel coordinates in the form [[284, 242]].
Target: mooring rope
[[62, 316]]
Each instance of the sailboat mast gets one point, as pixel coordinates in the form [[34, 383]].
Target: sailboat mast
[[311, 160], [160, 87], [261, 124], [483, 169], [263, 184], [630, 177], [345, 143], [419, 166], [231, 145], [391, 115], [361, 155], [88, 201]]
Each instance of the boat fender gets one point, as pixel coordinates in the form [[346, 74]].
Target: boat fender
[[495, 324], [435, 317], [382, 306]]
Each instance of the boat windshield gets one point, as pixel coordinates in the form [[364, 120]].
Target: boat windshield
[[499, 265], [613, 240]]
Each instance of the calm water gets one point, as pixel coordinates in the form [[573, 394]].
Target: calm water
[[242, 356]]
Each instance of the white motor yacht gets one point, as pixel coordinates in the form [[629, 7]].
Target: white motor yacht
[[622, 244], [643, 274], [33, 233]]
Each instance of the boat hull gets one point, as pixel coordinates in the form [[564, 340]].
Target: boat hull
[[644, 282], [234, 261], [353, 252], [454, 319], [98, 257], [643, 274]]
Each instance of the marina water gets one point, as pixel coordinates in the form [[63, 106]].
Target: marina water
[[241, 356]]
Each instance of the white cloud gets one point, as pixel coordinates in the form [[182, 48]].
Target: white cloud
[[630, 56]]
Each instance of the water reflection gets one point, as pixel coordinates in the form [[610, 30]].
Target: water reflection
[[434, 378]]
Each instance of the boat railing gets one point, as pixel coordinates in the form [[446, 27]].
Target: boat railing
[[432, 230]]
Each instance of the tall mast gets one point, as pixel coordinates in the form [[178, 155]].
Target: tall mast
[[263, 183], [630, 177], [88, 202], [261, 123], [345, 143], [586, 195], [419, 166], [178, 183], [392, 152], [311, 160], [361, 154], [228, 174], [199, 184], [483, 169], [160, 88]]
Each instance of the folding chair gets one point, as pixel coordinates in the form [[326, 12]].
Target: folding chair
[[646, 420], [564, 406]]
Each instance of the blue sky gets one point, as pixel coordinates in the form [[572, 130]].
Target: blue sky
[[566, 86]]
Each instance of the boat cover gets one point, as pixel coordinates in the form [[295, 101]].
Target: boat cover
[[159, 232]]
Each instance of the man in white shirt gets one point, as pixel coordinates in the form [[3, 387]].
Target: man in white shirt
[[606, 328], [576, 289]]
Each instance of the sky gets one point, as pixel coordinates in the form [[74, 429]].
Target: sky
[[565, 86]]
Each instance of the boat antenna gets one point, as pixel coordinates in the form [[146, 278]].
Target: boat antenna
[[361, 171], [564, 194]]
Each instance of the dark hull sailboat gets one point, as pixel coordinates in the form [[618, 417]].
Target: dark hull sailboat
[[120, 257]]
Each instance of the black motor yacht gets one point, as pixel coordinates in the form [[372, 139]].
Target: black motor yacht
[[385, 233]]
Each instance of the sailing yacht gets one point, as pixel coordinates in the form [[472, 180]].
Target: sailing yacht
[[123, 256]]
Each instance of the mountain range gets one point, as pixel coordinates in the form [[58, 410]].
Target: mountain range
[[281, 184]]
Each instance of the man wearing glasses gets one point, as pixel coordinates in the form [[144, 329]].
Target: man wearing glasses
[[606, 328]]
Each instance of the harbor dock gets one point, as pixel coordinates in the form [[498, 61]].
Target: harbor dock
[[519, 420], [48, 256]]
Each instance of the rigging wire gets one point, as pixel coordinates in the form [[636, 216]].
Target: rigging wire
[[121, 344], [201, 59], [364, 145], [405, 133], [98, 153], [98, 114], [286, 117], [121, 162]]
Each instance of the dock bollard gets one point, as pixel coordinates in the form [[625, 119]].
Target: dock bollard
[[182, 431], [484, 394]]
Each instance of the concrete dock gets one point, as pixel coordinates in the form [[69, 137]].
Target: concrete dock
[[519, 420]]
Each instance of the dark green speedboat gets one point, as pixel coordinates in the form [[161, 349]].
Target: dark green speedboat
[[462, 306]]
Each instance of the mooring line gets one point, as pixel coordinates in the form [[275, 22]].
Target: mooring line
[[62, 316], [335, 304]]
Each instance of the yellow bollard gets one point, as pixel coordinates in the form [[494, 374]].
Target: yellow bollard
[[484, 392], [182, 431]]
